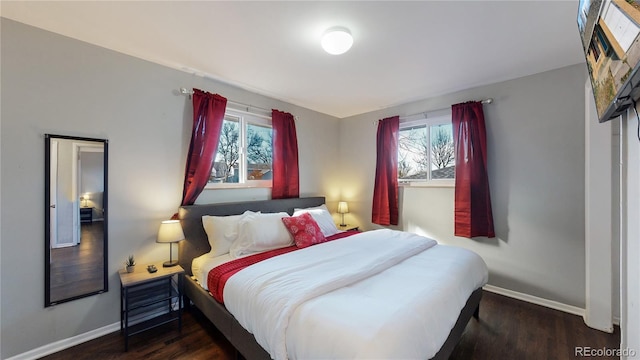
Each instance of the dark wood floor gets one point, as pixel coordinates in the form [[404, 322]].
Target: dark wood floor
[[513, 329], [77, 270], [508, 329]]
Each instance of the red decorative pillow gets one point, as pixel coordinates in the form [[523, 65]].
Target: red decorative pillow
[[304, 229]]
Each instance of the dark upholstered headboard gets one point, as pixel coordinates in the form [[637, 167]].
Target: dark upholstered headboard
[[196, 242]]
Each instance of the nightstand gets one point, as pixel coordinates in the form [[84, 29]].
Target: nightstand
[[86, 214], [149, 299], [347, 227]]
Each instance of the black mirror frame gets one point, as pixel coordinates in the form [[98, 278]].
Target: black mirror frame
[[47, 219]]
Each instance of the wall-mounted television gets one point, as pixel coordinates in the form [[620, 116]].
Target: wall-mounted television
[[610, 32]]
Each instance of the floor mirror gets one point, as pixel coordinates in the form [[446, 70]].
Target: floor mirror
[[75, 217]]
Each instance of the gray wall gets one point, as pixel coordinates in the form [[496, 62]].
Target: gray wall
[[91, 176], [53, 84], [535, 131]]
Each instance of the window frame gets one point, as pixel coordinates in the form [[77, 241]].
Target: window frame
[[428, 120], [244, 119]]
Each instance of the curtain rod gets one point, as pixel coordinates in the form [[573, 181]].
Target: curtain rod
[[185, 91], [424, 113]]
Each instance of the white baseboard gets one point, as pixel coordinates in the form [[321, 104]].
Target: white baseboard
[[66, 343], [536, 300]]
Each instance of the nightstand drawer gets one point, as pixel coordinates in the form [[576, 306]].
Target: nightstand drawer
[[86, 214]]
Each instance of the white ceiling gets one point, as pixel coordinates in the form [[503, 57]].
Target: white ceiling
[[402, 52]]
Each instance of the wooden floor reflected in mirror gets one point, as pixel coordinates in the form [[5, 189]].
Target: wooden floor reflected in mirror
[[78, 270]]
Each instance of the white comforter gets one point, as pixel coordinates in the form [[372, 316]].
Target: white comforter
[[379, 294]]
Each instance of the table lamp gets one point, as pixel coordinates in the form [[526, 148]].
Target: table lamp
[[170, 231], [343, 208]]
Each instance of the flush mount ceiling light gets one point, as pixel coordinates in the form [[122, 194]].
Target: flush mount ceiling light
[[337, 40]]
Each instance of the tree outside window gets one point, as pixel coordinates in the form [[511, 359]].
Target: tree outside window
[[244, 152], [425, 151], [259, 155], [225, 168]]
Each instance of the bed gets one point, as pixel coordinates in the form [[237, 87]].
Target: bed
[[293, 342]]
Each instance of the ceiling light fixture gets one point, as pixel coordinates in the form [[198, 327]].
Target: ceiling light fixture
[[337, 40]]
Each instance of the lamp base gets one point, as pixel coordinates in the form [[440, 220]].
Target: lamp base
[[170, 263]]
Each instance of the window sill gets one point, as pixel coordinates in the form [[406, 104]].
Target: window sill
[[237, 186], [428, 184]]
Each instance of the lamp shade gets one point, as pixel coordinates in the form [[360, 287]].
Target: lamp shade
[[337, 40], [343, 207], [170, 231]]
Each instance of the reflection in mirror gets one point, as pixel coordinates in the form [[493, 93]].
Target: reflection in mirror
[[75, 218]]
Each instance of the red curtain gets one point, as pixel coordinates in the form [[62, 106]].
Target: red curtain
[[473, 216], [385, 191], [208, 114], [286, 176]]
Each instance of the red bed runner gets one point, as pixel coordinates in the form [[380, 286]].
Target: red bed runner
[[218, 276]]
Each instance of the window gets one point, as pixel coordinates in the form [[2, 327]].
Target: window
[[244, 154], [602, 40], [595, 50], [425, 151]]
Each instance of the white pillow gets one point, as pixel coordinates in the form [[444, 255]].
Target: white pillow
[[322, 216], [260, 232], [221, 231]]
